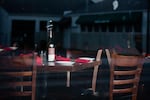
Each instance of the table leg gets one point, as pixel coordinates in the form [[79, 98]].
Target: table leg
[[44, 85], [21, 85], [68, 79]]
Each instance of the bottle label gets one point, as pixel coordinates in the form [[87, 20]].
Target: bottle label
[[51, 54], [51, 57], [51, 51]]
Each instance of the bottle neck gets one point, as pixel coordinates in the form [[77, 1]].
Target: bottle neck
[[50, 42], [35, 48], [51, 33]]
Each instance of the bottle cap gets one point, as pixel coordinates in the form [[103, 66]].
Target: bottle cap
[[42, 52], [51, 45]]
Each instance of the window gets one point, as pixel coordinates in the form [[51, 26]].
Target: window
[[119, 27], [83, 28], [111, 27], [104, 27], [43, 25], [89, 28], [128, 27], [96, 28], [137, 27]]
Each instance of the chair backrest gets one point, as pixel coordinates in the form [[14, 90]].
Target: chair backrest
[[125, 75], [108, 55], [17, 79]]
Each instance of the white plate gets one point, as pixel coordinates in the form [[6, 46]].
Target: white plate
[[87, 58], [13, 48], [65, 63], [148, 57], [1, 50]]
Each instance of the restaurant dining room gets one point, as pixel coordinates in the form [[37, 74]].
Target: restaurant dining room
[[74, 49]]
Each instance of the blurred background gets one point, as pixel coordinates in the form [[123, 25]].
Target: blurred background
[[86, 25], [78, 24]]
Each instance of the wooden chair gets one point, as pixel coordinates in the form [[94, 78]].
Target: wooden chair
[[108, 55], [95, 72], [17, 78], [76, 54], [124, 75], [98, 58]]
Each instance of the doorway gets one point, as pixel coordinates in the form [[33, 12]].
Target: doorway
[[23, 33]]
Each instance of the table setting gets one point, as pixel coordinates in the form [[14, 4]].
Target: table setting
[[147, 58], [68, 61], [1, 50], [59, 60], [61, 63], [5, 51]]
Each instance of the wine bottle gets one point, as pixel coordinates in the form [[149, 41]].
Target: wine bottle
[[51, 47]]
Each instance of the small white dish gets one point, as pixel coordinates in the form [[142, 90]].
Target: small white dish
[[87, 58], [13, 48], [1, 50], [148, 57], [65, 63]]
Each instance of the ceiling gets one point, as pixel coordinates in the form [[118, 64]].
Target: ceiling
[[57, 7], [41, 6]]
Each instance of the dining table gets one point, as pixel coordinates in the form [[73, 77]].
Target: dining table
[[57, 67], [49, 67], [67, 64], [68, 67]]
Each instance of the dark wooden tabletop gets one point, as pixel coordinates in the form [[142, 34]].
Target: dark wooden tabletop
[[55, 67]]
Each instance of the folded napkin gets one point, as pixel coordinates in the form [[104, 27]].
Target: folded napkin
[[7, 49], [60, 58], [78, 60], [38, 60], [147, 55]]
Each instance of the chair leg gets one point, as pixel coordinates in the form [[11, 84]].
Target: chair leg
[[94, 79], [68, 79], [110, 96], [141, 92]]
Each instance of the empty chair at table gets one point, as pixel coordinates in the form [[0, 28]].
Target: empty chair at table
[[92, 90], [18, 79], [125, 74]]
